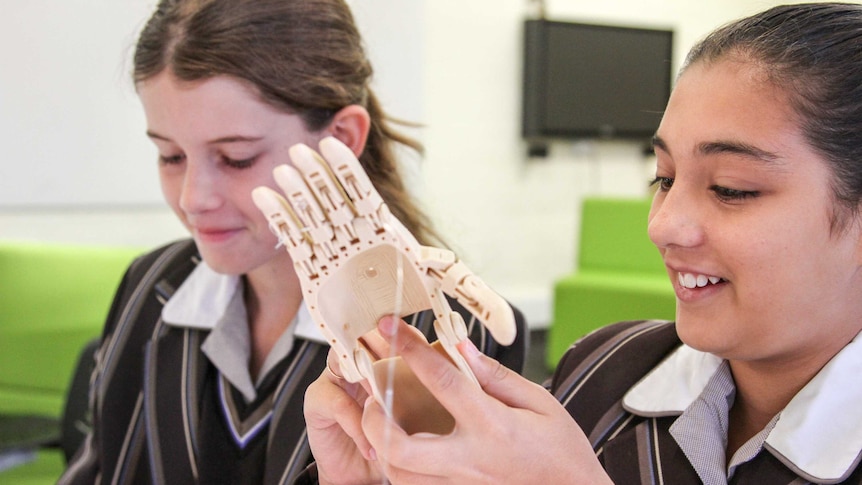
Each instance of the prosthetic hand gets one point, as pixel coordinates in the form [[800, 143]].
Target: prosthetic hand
[[357, 263]]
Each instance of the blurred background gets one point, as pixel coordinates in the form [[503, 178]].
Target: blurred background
[[78, 168]]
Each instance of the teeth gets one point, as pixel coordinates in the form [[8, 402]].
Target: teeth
[[690, 280]]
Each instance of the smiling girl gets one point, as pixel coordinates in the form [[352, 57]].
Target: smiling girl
[[208, 347], [757, 217]]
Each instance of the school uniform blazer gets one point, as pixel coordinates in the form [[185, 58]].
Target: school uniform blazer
[[593, 377], [149, 392]]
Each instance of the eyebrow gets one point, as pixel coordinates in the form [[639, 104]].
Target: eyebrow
[[737, 148], [726, 146], [224, 139], [657, 142]]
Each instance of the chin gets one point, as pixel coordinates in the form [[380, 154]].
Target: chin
[[225, 267], [241, 261], [710, 336], [698, 333], [224, 262]]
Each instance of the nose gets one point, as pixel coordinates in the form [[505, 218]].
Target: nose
[[199, 189], [676, 219]]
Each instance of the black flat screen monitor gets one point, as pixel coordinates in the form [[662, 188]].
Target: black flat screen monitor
[[594, 81]]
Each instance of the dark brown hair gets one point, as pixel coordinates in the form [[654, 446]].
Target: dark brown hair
[[303, 57]]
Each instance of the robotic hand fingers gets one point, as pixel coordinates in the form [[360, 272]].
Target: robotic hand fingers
[[286, 224], [357, 263], [457, 280], [357, 188]]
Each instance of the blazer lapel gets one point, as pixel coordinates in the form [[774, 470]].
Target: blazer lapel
[[172, 384], [647, 454], [288, 452]]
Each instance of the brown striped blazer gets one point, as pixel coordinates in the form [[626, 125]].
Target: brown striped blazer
[[591, 380], [151, 392]]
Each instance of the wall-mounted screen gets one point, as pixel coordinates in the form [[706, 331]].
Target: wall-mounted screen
[[589, 81]]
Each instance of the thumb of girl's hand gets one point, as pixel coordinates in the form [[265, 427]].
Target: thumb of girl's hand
[[504, 384]]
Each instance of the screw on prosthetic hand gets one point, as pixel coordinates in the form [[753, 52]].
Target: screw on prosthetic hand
[[356, 263]]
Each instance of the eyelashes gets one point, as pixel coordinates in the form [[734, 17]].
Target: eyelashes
[[238, 164], [663, 183], [171, 160], [726, 194], [227, 161]]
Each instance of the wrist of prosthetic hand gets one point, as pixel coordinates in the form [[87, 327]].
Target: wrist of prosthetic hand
[[356, 263]]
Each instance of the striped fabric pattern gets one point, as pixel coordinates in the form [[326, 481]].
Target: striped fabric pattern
[[592, 379], [162, 414]]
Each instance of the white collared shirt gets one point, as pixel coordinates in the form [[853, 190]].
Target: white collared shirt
[[818, 434], [213, 301]]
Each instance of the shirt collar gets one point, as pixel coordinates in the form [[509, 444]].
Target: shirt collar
[[818, 434], [202, 299], [213, 301]]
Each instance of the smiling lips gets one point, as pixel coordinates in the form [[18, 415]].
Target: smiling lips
[[212, 234], [691, 281]]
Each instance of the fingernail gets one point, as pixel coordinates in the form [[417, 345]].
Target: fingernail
[[372, 455], [387, 326], [468, 348]]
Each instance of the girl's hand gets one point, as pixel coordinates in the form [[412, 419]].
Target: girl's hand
[[333, 413], [510, 430]]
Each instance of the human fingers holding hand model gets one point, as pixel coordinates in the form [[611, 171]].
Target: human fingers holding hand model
[[507, 430]]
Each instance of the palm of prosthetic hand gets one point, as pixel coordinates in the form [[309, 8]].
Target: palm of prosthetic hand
[[357, 263]]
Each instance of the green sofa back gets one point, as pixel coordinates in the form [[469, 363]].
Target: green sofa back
[[53, 299], [614, 237], [620, 274]]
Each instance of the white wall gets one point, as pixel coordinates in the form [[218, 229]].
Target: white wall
[[453, 65]]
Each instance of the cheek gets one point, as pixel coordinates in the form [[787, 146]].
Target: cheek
[[241, 199], [245, 204], [766, 250], [782, 265], [171, 189]]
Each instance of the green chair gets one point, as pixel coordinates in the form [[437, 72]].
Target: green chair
[[53, 301], [619, 276]]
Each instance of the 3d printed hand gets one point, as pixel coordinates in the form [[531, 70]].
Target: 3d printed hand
[[357, 263]]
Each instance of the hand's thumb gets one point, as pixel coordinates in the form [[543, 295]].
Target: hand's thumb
[[499, 381]]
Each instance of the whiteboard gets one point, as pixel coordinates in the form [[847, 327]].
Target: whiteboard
[[71, 127]]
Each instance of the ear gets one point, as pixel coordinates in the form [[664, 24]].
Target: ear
[[350, 125]]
